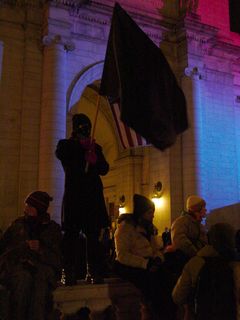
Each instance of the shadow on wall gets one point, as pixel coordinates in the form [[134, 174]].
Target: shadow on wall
[[229, 214]]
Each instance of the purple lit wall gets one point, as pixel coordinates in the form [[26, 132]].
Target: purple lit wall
[[216, 110]]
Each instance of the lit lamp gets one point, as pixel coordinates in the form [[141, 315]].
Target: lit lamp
[[122, 204], [157, 194]]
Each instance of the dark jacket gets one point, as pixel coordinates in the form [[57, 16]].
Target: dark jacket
[[83, 202], [14, 250]]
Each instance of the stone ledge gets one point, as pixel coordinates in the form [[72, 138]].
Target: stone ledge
[[123, 296]]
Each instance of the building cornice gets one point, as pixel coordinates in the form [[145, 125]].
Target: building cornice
[[23, 3]]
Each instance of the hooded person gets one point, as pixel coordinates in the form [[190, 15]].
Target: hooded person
[[223, 270], [30, 258], [221, 237], [83, 206], [138, 256]]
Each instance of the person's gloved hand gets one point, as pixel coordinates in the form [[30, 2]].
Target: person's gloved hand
[[90, 154], [154, 264]]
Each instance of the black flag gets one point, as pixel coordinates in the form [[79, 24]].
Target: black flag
[[137, 73]]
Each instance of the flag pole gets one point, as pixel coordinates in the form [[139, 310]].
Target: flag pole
[[94, 126], [95, 120]]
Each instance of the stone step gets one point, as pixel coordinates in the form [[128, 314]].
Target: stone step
[[120, 296]]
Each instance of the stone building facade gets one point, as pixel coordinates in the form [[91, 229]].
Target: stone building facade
[[51, 52]]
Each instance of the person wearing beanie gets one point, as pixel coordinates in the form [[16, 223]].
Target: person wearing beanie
[[195, 204], [83, 206], [139, 259], [40, 200], [221, 245], [30, 259], [187, 233]]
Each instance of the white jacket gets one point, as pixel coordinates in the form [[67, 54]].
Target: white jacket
[[132, 247]]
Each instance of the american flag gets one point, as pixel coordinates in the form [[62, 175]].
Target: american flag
[[128, 137]]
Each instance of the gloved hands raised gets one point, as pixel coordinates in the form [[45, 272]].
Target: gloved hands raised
[[89, 145], [154, 264]]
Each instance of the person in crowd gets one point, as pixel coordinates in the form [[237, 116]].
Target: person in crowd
[[188, 235], [139, 260], [30, 259], [221, 246], [166, 237], [83, 208]]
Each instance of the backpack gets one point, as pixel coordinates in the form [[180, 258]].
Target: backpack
[[214, 295]]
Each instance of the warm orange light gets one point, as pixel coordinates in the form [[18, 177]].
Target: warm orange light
[[122, 210], [159, 202]]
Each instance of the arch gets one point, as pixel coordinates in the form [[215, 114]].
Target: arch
[[87, 76], [75, 103]]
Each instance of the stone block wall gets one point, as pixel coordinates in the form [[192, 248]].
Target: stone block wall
[[20, 97]]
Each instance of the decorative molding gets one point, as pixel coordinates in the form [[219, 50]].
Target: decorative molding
[[23, 3], [193, 73], [68, 45], [179, 8], [189, 6], [71, 3], [237, 100]]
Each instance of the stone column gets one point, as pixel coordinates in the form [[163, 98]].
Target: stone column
[[53, 120], [192, 154], [1, 58]]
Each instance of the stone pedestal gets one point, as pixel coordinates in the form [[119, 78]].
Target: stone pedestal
[[123, 297]]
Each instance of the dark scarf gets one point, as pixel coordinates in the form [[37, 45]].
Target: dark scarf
[[148, 228], [35, 225]]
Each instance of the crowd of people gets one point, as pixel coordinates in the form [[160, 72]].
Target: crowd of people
[[34, 249]]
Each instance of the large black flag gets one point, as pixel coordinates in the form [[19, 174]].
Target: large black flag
[[136, 72]]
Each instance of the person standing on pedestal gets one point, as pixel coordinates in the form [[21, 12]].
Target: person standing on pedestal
[[83, 207]]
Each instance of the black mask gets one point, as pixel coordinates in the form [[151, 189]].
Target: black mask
[[81, 125], [84, 130]]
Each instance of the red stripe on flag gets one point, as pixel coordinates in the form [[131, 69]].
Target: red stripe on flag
[[118, 127], [128, 137]]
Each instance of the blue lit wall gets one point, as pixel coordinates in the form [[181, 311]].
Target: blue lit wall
[[216, 140]]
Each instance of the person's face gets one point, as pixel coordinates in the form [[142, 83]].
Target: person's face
[[30, 211], [148, 215], [201, 214], [84, 130]]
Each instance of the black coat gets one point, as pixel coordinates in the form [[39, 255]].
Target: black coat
[[83, 202]]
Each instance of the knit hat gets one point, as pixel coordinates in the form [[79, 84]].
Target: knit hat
[[195, 203], [39, 200], [141, 204]]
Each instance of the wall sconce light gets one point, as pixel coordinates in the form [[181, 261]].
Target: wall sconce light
[[157, 194], [122, 201], [157, 191], [121, 204]]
